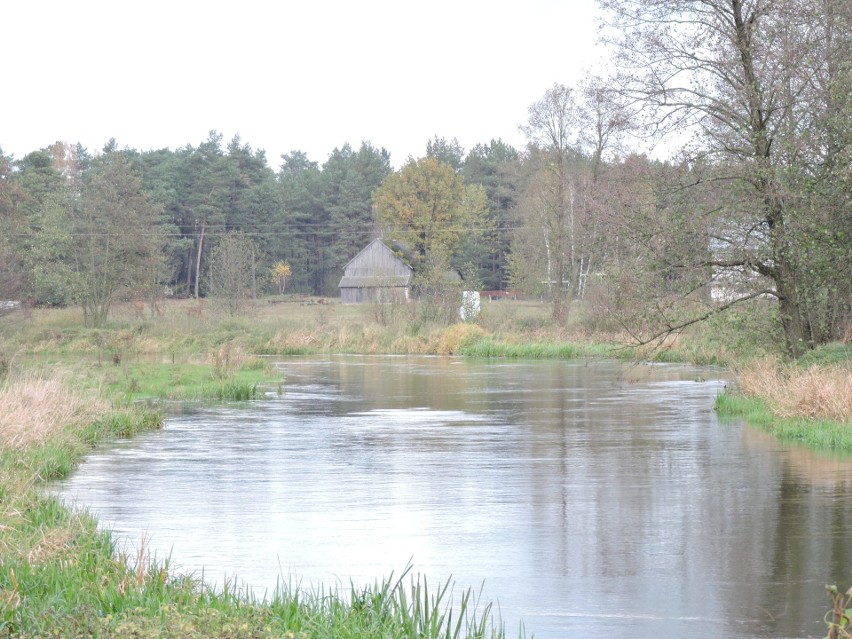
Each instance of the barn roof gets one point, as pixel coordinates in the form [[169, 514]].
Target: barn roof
[[367, 248]]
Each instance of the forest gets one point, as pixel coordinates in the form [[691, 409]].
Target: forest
[[709, 170]]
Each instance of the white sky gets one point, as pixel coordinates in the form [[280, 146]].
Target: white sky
[[309, 75]]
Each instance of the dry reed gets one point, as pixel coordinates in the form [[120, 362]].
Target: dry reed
[[34, 407], [817, 392]]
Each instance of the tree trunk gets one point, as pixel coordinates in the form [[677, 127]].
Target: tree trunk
[[198, 258], [253, 274], [788, 297]]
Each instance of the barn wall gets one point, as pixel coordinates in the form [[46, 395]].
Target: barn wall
[[373, 294]]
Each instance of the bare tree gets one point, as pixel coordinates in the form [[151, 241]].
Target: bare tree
[[233, 268], [570, 132], [551, 128], [739, 76]]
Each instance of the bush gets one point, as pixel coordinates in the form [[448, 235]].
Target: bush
[[458, 336]]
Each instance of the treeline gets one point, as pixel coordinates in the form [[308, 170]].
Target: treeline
[[315, 217], [751, 205]]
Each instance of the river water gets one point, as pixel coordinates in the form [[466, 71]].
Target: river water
[[586, 499]]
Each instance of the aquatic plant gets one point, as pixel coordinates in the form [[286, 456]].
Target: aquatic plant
[[839, 618]]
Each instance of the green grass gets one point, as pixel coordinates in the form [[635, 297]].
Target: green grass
[[829, 355], [126, 383], [489, 347], [60, 576], [93, 589], [816, 433]]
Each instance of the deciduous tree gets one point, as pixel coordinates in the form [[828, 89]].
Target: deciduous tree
[[233, 265], [117, 242], [281, 272], [752, 81], [428, 208], [552, 129]]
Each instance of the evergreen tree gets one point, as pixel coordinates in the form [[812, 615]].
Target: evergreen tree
[[496, 167], [349, 179], [302, 243]]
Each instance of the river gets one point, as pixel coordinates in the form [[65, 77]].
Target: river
[[586, 499]]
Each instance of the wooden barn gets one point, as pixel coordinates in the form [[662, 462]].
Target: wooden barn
[[376, 274]]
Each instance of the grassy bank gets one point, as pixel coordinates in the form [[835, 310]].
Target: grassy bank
[[61, 577], [187, 328], [226, 373], [809, 401]]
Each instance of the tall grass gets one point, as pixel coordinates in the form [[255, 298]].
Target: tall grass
[[230, 390], [36, 406], [790, 390], [809, 404], [403, 607], [46, 428]]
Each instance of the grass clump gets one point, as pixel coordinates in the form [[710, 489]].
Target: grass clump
[[456, 337]]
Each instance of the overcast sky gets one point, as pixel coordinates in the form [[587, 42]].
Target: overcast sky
[[308, 75]]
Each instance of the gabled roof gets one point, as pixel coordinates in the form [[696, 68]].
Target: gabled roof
[[367, 248]]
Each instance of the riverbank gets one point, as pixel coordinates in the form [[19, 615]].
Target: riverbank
[[297, 326], [62, 577], [807, 402]]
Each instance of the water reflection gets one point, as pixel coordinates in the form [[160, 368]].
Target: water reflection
[[590, 498]]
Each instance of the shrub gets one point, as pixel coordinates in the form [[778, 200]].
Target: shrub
[[457, 336]]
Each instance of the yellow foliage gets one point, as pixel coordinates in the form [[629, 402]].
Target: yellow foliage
[[280, 272], [428, 207]]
